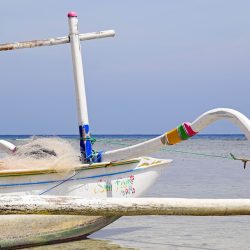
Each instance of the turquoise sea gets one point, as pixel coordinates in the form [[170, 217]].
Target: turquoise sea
[[202, 168]]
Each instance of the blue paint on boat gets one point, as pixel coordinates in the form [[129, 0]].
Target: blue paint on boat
[[75, 179]]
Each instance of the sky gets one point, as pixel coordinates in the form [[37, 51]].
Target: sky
[[169, 62]]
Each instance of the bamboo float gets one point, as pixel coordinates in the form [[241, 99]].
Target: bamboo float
[[55, 41], [65, 205]]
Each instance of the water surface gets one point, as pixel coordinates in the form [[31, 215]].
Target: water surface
[[202, 168]]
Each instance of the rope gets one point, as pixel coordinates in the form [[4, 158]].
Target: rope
[[63, 181], [91, 139], [96, 154], [199, 154], [170, 150], [95, 158]]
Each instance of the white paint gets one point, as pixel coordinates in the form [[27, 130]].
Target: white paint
[[96, 35], [147, 170], [55, 41], [7, 146], [213, 115], [139, 149], [78, 72], [131, 180], [200, 123]]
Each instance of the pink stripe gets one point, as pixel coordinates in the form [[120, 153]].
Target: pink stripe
[[188, 129]]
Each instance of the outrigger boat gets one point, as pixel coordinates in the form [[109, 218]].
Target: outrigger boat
[[124, 172]]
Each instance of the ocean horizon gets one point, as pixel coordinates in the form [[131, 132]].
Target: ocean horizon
[[72, 136]]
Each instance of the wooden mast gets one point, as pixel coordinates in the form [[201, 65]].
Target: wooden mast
[[82, 110]]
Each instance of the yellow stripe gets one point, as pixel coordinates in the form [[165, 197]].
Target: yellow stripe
[[173, 136], [21, 172]]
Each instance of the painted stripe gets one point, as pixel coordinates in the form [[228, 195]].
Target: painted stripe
[[88, 150], [176, 135], [189, 129], [81, 167], [173, 136], [182, 132], [75, 179], [87, 143], [82, 145]]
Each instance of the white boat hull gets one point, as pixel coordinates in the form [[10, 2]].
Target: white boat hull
[[121, 180], [130, 179]]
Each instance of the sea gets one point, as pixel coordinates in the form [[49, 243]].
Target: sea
[[202, 167]]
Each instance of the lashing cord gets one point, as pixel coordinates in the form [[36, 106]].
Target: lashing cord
[[96, 154]]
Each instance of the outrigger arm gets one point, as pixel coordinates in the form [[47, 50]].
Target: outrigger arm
[[180, 133]]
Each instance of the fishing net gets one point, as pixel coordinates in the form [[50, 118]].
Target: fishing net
[[43, 153]]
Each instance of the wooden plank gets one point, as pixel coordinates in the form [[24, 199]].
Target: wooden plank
[[122, 206], [54, 41]]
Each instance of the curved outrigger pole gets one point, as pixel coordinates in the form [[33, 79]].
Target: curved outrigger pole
[[180, 133]]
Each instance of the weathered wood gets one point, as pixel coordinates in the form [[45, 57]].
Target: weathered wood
[[10, 204], [55, 41]]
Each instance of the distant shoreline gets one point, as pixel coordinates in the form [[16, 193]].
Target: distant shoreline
[[74, 136]]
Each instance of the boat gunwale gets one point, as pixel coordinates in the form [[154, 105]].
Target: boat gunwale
[[83, 167], [80, 167]]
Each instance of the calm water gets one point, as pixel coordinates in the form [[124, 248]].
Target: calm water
[[197, 172]]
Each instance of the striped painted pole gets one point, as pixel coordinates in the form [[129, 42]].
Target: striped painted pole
[[83, 120], [183, 132], [178, 134]]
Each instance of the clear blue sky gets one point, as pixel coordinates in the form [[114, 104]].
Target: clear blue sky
[[169, 62]]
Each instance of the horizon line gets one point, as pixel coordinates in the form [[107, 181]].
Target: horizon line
[[114, 134]]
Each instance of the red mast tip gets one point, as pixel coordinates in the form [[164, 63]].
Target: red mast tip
[[72, 14]]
